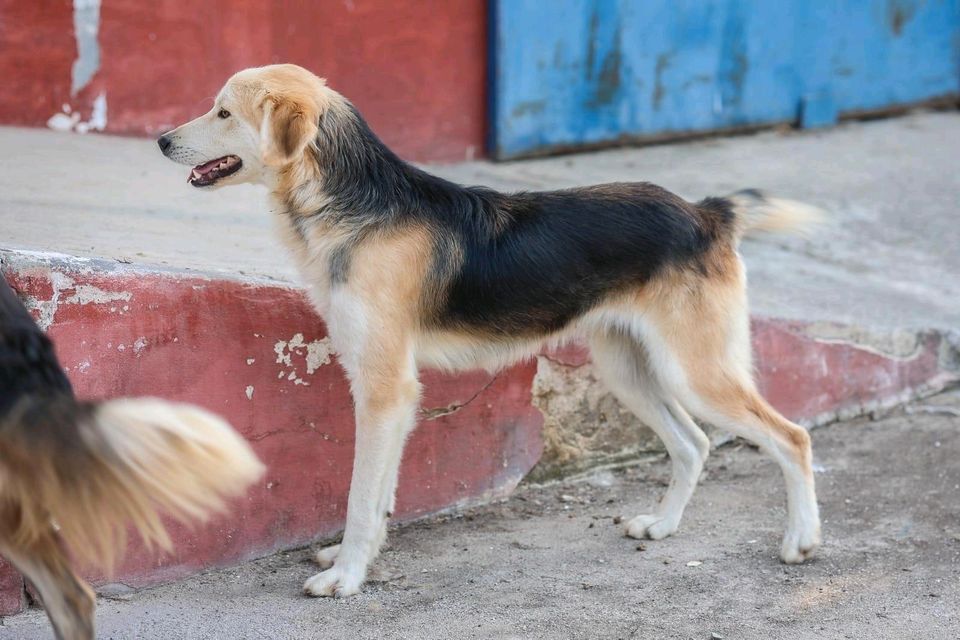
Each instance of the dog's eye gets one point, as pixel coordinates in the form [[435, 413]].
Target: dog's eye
[[223, 114]]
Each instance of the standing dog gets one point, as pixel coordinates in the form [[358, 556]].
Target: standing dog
[[73, 474], [410, 270]]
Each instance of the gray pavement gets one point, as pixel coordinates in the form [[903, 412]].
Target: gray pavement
[[551, 563], [888, 259]]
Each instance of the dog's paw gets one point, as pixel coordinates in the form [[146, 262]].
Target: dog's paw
[[651, 526], [337, 582], [326, 557], [799, 545]]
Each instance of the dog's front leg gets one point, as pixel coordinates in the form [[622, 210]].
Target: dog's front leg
[[386, 393]]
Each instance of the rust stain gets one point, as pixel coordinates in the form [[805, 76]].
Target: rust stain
[[663, 62], [592, 44], [899, 13], [608, 82]]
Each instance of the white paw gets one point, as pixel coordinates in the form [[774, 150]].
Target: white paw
[[326, 557], [337, 581], [800, 543], [651, 526]]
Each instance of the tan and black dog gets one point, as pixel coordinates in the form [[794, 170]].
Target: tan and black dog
[[411, 270]]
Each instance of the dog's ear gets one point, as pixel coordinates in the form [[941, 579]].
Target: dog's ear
[[288, 127]]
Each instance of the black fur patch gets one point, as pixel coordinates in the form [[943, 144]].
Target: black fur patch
[[28, 365], [531, 262]]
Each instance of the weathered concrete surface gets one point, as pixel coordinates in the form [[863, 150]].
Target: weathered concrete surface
[[550, 563]]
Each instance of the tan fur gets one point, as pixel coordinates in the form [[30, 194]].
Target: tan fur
[[138, 459], [775, 215]]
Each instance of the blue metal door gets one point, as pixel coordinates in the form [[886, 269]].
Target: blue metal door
[[568, 73]]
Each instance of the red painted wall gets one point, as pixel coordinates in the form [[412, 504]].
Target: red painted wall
[[417, 70]]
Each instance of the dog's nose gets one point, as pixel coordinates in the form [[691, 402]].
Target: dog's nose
[[164, 143]]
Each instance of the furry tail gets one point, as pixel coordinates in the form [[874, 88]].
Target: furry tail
[[91, 468], [756, 211]]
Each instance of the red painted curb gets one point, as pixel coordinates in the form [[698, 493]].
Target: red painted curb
[[12, 598], [256, 353]]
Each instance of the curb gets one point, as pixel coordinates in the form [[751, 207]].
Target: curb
[[258, 355]]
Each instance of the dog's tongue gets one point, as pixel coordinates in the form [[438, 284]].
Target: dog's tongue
[[206, 166]]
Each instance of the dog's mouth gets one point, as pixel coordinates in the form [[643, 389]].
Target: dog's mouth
[[203, 175]]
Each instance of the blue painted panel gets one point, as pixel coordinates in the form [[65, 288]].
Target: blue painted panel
[[580, 72]]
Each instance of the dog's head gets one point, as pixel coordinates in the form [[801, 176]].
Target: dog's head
[[261, 121]]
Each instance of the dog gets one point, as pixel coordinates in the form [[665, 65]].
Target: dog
[[409, 270], [73, 473]]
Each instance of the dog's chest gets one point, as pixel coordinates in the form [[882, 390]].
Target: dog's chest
[[313, 246]]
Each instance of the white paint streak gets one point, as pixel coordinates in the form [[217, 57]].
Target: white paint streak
[[249, 392], [86, 28], [140, 344], [251, 361]]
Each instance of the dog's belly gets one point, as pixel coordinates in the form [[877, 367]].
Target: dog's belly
[[453, 351]]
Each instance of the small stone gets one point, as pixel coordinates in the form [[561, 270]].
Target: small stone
[[566, 497], [694, 563], [667, 561], [716, 636], [590, 526], [617, 519], [641, 547]]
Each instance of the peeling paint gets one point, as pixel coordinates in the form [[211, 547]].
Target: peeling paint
[[86, 29], [140, 344], [899, 344], [71, 120], [251, 361], [249, 392], [47, 309], [315, 354], [88, 294]]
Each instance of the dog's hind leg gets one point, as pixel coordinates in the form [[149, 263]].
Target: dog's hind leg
[[735, 406], [698, 333], [624, 367], [68, 601]]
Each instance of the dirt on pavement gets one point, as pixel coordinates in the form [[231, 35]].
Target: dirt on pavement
[[552, 562]]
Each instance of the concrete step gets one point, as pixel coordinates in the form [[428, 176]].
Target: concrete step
[[150, 288]]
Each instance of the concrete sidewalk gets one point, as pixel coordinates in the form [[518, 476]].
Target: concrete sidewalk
[[551, 563], [888, 259]]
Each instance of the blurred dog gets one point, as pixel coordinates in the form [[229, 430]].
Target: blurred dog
[[73, 474], [408, 269]]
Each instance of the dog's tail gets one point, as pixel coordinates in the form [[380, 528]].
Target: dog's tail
[[90, 468], [755, 211]]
